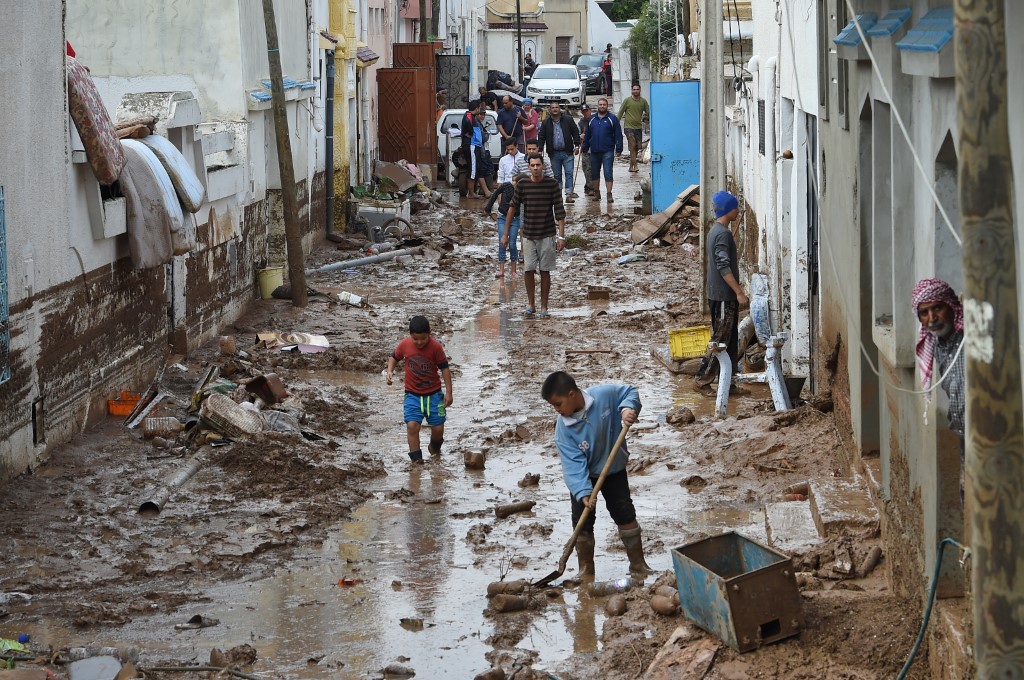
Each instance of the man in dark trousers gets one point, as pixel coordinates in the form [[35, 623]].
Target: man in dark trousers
[[584, 124], [603, 141], [539, 200], [725, 294], [560, 138], [510, 122]]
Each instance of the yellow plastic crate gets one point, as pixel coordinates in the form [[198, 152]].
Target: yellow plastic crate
[[689, 343]]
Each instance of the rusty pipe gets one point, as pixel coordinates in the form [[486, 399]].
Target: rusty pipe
[[155, 503]]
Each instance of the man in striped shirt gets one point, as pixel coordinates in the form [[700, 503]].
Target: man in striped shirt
[[539, 202]]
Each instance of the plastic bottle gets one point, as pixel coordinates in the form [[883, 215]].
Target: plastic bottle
[[598, 588], [154, 426], [352, 299], [689, 249], [378, 248]]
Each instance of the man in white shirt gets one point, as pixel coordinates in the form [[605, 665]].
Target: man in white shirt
[[507, 164]]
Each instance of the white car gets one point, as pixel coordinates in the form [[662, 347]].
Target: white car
[[556, 83], [455, 116]]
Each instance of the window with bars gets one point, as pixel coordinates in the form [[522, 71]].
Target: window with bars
[[5, 326], [760, 126]]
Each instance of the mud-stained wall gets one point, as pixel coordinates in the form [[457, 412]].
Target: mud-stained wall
[[221, 280], [97, 334], [312, 219]]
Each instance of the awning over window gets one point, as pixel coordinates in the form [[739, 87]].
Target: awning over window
[[849, 36], [890, 24], [366, 57], [925, 50], [931, 33]]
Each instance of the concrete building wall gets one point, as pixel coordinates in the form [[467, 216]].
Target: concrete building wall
[[565, 19], [151, 45], [601, 30], [880, 232], [83, 323]]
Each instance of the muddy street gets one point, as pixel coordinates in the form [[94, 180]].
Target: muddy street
[[337, 557]]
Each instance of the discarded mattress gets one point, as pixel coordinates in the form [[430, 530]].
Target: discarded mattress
[[102, 148], [156, 224], [148, 241], [186, 184]]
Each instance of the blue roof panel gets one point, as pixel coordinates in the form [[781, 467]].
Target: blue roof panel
[[931, 33], [849, 36], [261, 96], [890, 23]]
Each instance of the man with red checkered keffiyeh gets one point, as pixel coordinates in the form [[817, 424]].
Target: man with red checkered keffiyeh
[[939, 349]]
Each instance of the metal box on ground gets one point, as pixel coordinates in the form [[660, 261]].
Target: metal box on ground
[[689, 343], [737, 589]]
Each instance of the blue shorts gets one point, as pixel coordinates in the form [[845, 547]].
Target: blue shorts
[[429, 406]]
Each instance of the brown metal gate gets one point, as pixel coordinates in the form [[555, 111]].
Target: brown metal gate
[[406, 104]]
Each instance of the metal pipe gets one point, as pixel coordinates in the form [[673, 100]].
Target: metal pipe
[[724, 378], [329, 153], [373, 259], [156, 502]]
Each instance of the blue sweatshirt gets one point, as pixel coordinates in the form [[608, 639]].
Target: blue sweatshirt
[[603, 134], [584, 444]]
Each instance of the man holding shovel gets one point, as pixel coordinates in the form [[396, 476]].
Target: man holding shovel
[[588, 426]]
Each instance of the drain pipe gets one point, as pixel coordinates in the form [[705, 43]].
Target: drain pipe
[[724, 378], [776, 379], [155, 503], [329, 155], [373, 259]]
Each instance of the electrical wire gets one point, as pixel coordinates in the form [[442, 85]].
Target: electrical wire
[[828, 245]]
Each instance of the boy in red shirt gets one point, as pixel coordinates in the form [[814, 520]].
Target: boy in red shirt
[[424, 357]]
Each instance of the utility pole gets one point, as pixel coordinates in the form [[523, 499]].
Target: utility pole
[[995, 429], [712, 110], [519, 42], [293, 236], [423, 20]]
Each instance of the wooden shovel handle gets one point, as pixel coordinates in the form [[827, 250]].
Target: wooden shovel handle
[[593, 496]]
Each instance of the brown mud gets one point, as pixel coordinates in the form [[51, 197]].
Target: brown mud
[[339, 558]]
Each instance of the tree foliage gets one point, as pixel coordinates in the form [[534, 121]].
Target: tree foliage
[[643, 38], [624, 10]]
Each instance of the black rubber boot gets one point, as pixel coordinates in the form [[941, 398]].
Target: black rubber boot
[[635, 551], [435, 446], [585, 555]]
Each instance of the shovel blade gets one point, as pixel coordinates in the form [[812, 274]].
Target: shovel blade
[[548, 579]]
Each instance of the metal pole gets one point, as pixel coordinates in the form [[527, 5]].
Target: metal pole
[[712, 110], [519, 43], [329, 145], [293, 235], [372, 259], [995, 428]]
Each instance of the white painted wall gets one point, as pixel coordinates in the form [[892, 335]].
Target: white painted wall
[[601, 30]]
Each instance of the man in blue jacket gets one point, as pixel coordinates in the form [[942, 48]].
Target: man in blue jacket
[[603, 141], [589, 422]]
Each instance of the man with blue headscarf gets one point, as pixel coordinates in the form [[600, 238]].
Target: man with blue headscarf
[[725, 294]]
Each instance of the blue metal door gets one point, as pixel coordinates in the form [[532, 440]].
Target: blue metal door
[[675, 140]]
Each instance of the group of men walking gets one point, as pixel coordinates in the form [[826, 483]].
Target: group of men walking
[[531, 186]]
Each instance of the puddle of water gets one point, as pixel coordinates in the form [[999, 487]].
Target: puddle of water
[[407, 555]]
